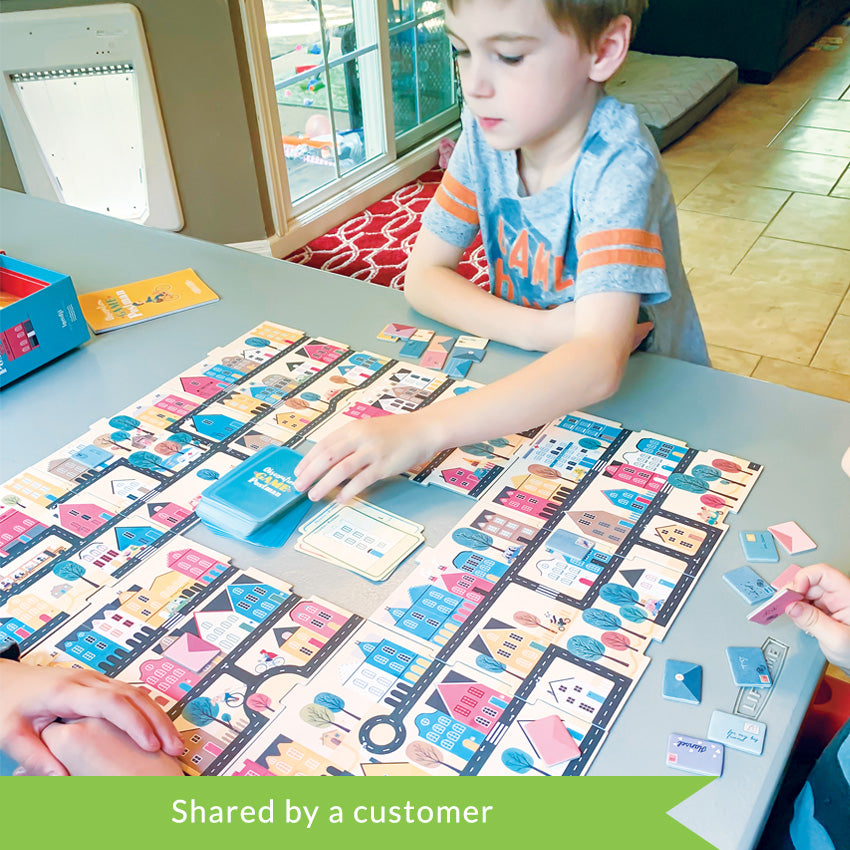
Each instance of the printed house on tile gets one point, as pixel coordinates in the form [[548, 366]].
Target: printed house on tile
[[40, 320]]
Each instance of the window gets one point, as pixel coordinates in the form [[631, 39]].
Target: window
[[343, 88]]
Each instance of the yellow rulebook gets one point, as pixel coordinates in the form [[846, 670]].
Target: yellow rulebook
[[119, 306]]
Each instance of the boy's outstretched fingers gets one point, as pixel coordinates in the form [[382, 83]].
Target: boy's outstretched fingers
[[324, 467]]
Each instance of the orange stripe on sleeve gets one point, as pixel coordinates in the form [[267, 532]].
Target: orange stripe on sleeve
[[461, 192], [621, 256], [609, 238], [450, 205]]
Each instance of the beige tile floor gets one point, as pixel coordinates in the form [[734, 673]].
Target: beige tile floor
[[763, 191]]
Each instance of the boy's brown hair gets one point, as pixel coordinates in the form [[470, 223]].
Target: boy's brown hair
[[587, 18]]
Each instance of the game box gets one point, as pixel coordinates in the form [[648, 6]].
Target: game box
[[40, 318]]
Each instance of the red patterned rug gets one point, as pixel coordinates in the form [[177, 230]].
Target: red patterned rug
[[375, 244]]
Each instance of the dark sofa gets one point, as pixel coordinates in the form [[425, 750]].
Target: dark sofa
[[760, 36]]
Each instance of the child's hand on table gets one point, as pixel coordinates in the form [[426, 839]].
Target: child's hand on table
[[824, 612], [35, 697], [364, 452]]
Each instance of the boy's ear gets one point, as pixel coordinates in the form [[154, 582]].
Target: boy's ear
[[611, 49]]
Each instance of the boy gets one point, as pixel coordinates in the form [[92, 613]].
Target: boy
[[577, 219]]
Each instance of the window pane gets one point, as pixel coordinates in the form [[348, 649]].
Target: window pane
[[304, 66], [403, 71], [434, 68], [421, 64]]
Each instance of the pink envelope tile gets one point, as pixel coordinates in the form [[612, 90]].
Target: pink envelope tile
[[774, 607], [792, 537], [401, 331], [551, 738], [785, 577]]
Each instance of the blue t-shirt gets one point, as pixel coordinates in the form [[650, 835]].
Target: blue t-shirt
[[608, 225], [822, 810]]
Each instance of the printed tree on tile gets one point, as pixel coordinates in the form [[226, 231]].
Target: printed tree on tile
[[427, 755], [546, 472], [491, 665], [168, 447], [258, 702], [333, 703], [472, 538], [710, 473], [108, 441], [302, 402], [725, 465], [529, 621], [627, 599], [202, 711], [690, 484], [634, 614], [590, 649], [614, 640], [145, 460], [258, 342], [319, 717], [519, 761], [127, 423], [605, 620], [71, 571], [10, 500], [487, 448]]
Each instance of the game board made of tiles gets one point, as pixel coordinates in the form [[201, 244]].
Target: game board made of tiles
[[510, 648]]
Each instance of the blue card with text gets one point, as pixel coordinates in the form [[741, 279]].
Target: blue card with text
[[748, 666], [695, 755], [252, 493], [736, 732], [747, 583]]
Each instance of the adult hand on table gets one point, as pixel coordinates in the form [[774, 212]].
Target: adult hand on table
[[34, 697], [824, 612], [362, 453]]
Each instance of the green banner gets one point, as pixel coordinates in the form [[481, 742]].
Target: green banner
[[414, 812]]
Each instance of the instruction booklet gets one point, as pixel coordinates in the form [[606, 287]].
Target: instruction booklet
[[119, 306]]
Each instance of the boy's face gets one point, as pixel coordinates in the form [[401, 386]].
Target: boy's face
[[522, 77]]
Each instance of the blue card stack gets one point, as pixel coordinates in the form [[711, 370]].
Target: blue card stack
[[253, 496]]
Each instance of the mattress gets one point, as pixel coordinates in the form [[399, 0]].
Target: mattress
[[672, 93]]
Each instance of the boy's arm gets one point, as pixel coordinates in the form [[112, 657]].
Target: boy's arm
[[433, 287], [579, 372]]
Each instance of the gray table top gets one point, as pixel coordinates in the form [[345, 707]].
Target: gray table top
[[798, 437]]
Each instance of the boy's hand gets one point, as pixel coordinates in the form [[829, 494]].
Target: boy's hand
[[825, 612], [34, 697], [364, 452], [94, 747]]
